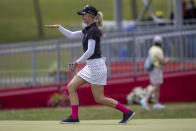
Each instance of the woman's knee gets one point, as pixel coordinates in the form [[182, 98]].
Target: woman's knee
[[99, 99], [71, 88], [156, 87]]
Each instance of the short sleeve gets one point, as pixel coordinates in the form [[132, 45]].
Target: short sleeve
[[157, 55], [160, 54]]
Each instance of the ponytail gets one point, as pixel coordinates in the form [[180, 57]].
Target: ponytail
[[99, 19]]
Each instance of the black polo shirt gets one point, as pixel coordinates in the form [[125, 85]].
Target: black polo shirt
[[92, 32]]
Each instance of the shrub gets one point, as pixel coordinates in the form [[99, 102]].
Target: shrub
[[58, 100]]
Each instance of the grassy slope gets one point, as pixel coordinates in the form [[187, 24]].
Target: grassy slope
[[18, 22], [173, 110], [18, 19]]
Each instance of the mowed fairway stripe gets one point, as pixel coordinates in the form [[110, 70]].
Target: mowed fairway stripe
[[102, 125]]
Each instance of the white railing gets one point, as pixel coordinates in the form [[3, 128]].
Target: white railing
[[45, 62]]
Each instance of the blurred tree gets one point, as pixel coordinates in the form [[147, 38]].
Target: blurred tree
[[134, 9], [39, 18]]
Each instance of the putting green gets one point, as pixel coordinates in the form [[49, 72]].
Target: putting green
[[102, 125]]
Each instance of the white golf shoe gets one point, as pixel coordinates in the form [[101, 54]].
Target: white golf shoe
[[144, 104], [158, 106]]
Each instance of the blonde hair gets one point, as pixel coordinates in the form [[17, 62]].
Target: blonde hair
[[99, 19]]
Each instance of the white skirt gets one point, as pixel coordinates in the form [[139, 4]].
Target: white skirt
[[156, 76], [95, 72]]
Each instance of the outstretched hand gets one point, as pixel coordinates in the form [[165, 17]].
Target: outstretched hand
[[52, 26]]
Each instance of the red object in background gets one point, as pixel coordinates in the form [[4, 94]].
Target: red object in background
[[177, 87]]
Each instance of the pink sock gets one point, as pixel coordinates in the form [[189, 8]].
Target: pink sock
[[74, 111], [122, 108]]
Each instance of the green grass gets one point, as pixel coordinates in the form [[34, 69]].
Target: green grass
[[18, 21], [21, 64], [176, 117], [102, 125], [173, 110]]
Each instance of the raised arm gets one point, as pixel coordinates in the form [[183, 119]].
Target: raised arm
[[65, 31], [69, 33]]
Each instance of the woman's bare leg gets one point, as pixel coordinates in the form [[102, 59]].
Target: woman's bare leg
[[154, 90], [98, 93], [157, 92], [73, 85]]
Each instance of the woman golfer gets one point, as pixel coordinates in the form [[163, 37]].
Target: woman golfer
[[95, 71]]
